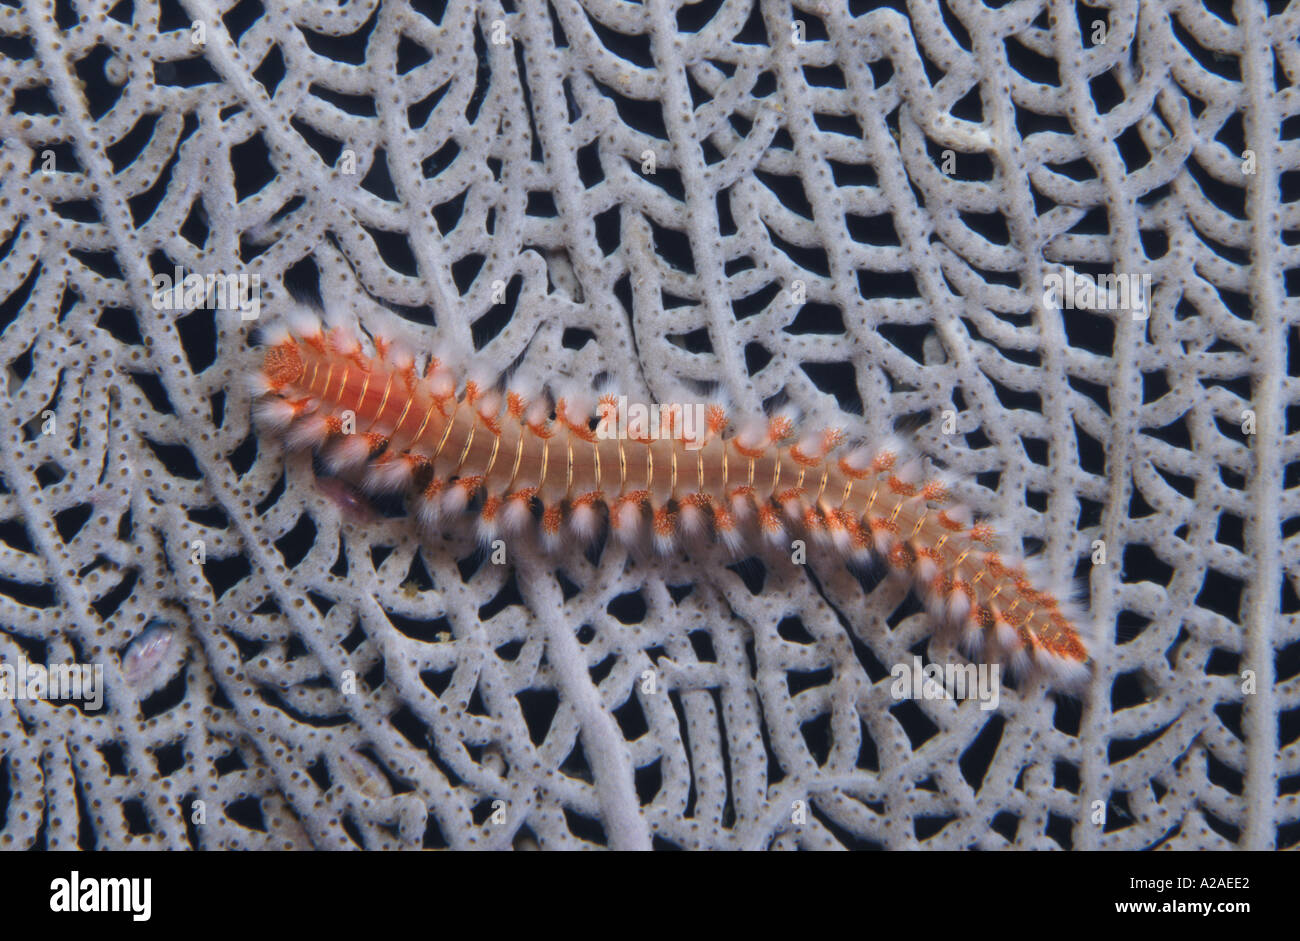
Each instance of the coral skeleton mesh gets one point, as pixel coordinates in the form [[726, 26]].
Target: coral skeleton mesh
[[852, 210]]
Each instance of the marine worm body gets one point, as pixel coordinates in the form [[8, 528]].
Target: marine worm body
[[521, 462]]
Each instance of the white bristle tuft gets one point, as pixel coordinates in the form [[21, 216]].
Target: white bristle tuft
[[961, 514], [429, 511], [489, 406], [945, 480], [719, 396], [791, 413], [959, 606], [551, 542], [896, 446], [861, 557], [606, 385], [455, 499], [626, 521], [841, 539], [524, 387], [1061, 671], [821, 537], [401, 359], [584, 520], [537, 413], [752, 434], [346, 454], [345, 342], [690, 519], [258, 385], [514, 515], [1005, 637], [859, 459], [911, 472], [742, 508], [274, 415], [484, 380], [810, 445], [442, 383], [310, 432], [1018, 661], [304, 323], [935, 606], [776, 536], [274, 335], [731, 538], [390, 475], [578, 409]]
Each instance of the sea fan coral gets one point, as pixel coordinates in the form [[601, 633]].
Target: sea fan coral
[[1054, 243]]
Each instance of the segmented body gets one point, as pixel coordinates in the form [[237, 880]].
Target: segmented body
[[449, 444]]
